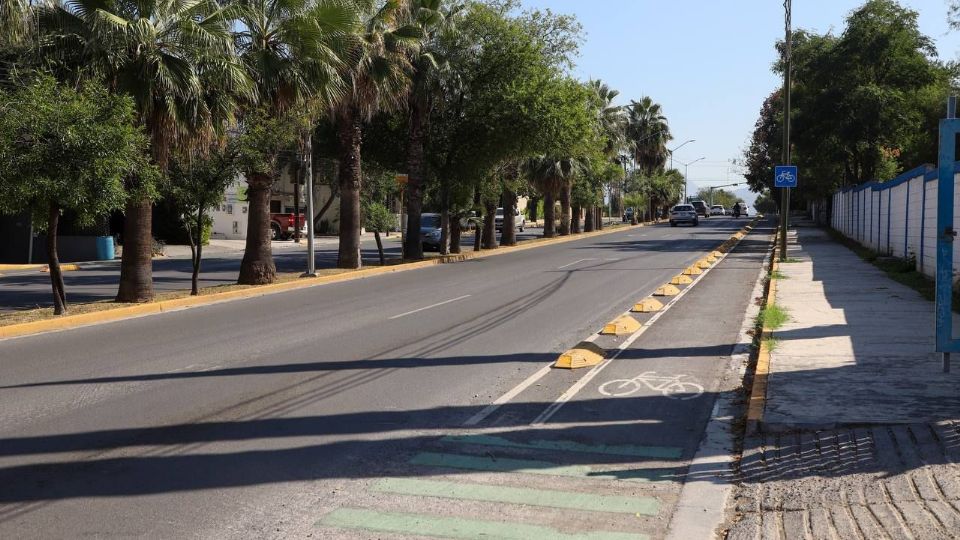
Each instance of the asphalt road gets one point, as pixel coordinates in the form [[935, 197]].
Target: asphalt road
[[331, 411], [30, 289]]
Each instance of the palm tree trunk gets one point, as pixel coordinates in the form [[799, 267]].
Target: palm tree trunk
[[532, 206], [588, 219], [575, 221], [53, 261], [257, 266], [412, 247], [565, 216], [348, 142], [455, 237], [136, 263], [549, 227], [508, 235], [490, 226], [446, 232]]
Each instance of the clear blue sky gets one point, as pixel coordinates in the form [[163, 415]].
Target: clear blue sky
[[708, 61]]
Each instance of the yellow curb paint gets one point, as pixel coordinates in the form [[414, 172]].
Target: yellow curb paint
[[648, 305], [758, 392], [109, 315], [666, 290], [584, 354], [15, 267], [692, 271], [63, 268], [621, 326], [681, 280]]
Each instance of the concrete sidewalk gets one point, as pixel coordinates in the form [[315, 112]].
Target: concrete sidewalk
[[860, 436], [858, 348]]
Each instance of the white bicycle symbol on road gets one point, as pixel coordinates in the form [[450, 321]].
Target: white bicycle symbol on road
[[671, 387]]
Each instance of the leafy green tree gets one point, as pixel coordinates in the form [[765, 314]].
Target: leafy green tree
[[649, 133], [293, 51], [197, 184], [163, 54], [429, 62], [378, 218], [717, 196], [66, 149], [376, 78]]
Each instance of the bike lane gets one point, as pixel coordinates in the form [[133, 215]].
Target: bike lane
[[602, 466]]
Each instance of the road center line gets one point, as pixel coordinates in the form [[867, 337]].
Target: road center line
[[438, 304], [573, 263]]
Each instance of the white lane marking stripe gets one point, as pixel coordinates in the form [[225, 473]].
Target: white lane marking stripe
[[489, 409], [573, 263], [430, 306], [590, 375]]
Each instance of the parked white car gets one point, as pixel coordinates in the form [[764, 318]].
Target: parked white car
[[519, 221]]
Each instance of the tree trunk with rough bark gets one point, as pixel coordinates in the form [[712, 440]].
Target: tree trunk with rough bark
[[575, 220], [53, 261], [490, 225], [257, 266], [136, 263], [446, 239], [348, 145], [588, 219], [565, 207], [549, 225], [376, 236], [508, 234], [599, 219], [413, 249], [196, 252], [455, 238]]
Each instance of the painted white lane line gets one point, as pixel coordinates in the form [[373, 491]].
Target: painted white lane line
[[430, 306], [489, 409], [590, 375], [573, 263]]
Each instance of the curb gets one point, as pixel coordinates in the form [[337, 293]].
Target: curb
[[151, 308], [757, 402]]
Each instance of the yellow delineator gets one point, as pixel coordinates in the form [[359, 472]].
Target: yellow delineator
[[667, 290], [647, 305], [692, 271], [621, 326], [584, 354], [681, 280]]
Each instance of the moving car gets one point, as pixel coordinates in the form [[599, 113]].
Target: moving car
[[519, 221], [701, 208], [684, 213], [718, 210], [430, 231]]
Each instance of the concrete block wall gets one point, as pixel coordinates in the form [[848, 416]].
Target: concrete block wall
[[898, 217]]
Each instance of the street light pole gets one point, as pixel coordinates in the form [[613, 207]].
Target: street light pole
[[785, 192], [675, 148], [685, 166]]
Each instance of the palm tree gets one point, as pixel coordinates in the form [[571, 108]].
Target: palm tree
[[292, 50], [649, 132], [150, 51], [612, 122], [553, 176], [437, 22], [376, 79]]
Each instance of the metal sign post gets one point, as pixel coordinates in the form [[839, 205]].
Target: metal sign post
[[946, 235]]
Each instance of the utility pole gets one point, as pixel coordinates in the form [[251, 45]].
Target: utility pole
[[785, 192]]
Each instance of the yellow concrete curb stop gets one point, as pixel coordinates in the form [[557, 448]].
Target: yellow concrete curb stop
[[692, 271], [666, 290], [584, 354], [647, 305], [681, 280], [621, 326]]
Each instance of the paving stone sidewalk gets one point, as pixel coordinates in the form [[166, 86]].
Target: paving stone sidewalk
[[861, 430]]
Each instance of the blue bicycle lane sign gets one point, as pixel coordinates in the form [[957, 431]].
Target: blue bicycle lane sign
[[785, 176]]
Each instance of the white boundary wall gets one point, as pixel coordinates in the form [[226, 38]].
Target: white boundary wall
[[897, 218]]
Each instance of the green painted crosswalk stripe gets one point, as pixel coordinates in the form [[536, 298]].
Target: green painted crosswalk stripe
[[531, 466], [448, 527], [664, 452], [511, 495]]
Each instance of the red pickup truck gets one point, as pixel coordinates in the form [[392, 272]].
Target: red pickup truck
[[282, 225]]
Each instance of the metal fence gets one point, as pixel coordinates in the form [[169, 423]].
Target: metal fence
[[896, 218]]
